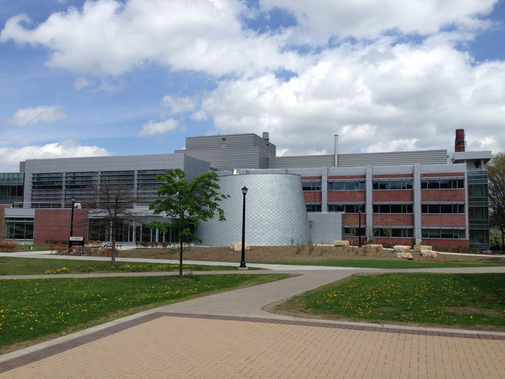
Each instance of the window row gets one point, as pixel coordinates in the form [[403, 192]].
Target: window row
[[393, 208], [18, 228], [354, 231], [443, 208], [347, 185], [393, 184], [347, 208], [444, 233], [442, 183], [311, 186]]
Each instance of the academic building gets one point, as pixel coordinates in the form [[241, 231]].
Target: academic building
[[433, 197]]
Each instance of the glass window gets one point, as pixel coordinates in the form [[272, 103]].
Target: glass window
[[385, 208], [433, 208], [349, 186], [396, 208], [408, 184], [396, 184], [424, 208], [433, 184], [446, 208], [434, 233], [362, 186], [445, 183]]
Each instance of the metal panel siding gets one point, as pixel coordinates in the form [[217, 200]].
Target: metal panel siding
[[325, 227], [228, 159], [275, 212], [393, 159], [306, 161]]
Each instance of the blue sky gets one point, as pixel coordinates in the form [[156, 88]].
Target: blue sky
[[111, 77]]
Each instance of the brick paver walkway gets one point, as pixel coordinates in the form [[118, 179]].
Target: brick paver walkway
[[228, 335], [185, 346]]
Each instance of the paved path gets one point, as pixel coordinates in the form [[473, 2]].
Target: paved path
[[229, 335]]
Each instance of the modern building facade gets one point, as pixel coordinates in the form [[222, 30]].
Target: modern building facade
[[399, 197]]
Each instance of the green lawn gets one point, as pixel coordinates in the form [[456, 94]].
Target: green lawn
[[36, 266], [386, 264], [33, 308], [444, 299]]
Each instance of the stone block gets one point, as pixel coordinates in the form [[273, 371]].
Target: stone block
[[429, 253], [419, 248], [237, 246], [339, 243], [404, 255], [402, 248], [376, 246]]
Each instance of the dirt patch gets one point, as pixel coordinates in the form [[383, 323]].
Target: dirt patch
[[472, 310], [283, 254]]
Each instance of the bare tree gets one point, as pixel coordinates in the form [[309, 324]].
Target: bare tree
[[112, 202]]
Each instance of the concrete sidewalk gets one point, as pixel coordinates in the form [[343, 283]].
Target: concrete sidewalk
[[229, 335]]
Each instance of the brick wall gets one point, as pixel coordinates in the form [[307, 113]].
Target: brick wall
[[304, 178], [396, 219], [347, 177], [393, 195], [443, 220], [437, 175], [2, 220], [347, 196], [55, 224], [311, 197], [404, 176], [443, 195], [353, 219], [446, 243]]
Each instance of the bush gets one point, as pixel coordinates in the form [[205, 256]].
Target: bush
[[8, 246]]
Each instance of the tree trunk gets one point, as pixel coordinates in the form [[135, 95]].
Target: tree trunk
[[180, 261], [113, 245], [113, 254]]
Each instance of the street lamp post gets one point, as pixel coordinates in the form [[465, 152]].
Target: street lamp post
[[502, 245], [242, 262], [359, 229], [71, 225]]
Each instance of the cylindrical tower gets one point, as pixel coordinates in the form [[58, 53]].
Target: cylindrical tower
[[275, 213]]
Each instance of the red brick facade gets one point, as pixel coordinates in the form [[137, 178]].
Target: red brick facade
[[443, 195], [395, 219], [54, 224], [347, 196], [451, 174], [389, 176], [393, 195], [2, 220], [313, 197], [347, 177], [443, 220]]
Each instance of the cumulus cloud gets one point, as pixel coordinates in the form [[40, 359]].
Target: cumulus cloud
[[376, 97], [10, 157], [321, 19], [107, 37], [179, 104], [152, 127], [81, 83], [28, 116]]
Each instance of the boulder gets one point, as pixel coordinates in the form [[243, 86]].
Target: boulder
[[237, 246], [376, 246], [404, 255], [429, 253], [340, 243], [402, 248], [419, 248]]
